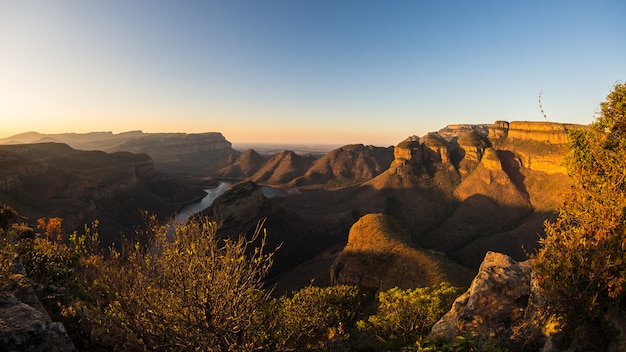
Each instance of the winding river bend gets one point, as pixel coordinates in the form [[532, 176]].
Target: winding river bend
[[212, 193]]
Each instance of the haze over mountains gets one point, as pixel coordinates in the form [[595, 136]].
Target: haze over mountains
[[458, 192]]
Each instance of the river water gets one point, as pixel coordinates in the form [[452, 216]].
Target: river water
[[212, 193]]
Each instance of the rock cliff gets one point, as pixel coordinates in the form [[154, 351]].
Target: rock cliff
[[24, 323], [538, 146], [501, 307], [55, 180], [496, 302]]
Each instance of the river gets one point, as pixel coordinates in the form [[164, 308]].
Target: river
[[212, 193]]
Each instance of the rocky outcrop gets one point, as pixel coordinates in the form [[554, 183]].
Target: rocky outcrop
[[498, 130], [379, 256], [451, 132], [473, 145], [471, 148], [24, 323], [415, 155], [238, 207], [496, 302], [436, 148]]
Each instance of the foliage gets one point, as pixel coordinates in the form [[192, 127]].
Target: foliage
[[51, 227], [12, 228], [407, 315], [315, 317], [582, 264], [459, 344], [187, 290], [6, 258]]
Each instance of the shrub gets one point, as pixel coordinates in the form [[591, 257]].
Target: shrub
[[315, 317], [404, 316], [186, 290], [581, 266]]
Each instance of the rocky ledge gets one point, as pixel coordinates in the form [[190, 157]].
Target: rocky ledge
[[24, 323]]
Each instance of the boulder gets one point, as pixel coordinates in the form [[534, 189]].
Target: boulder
[[24, 324], [496, 302]]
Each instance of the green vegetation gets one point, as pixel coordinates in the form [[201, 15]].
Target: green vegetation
[[405, 316], [314, 317], [187, 291], [582, 264]]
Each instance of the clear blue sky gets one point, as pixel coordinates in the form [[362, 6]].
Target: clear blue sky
[[313, 71]]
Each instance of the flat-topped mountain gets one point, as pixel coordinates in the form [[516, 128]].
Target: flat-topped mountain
[[176, 153]]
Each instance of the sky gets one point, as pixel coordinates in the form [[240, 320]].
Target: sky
[[304, 71]]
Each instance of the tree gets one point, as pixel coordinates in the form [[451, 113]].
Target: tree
[[581, 266], [186, 290]]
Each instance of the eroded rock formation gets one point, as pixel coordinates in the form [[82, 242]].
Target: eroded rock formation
[[379, 255]]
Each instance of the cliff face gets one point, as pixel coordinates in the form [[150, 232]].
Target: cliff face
[[55, 180], [539, 146], [176, 153]]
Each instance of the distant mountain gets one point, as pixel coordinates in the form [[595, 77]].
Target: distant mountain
[[344, 166], [350, 164], [175, 153]]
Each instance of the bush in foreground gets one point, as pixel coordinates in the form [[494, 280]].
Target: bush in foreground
[[406, 316], [582, 264]]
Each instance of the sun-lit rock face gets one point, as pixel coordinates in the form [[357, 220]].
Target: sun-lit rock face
[[409, 152], [496, 301], [436, 148], [538, 131], [499, 129], [490, 160], [459, 130], [538, 146], [550, 132], [473, 145]]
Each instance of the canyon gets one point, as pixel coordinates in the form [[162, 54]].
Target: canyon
[[452, 194]]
